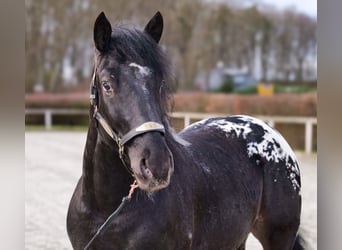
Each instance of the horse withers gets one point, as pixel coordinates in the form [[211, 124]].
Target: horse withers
[[205, 188]]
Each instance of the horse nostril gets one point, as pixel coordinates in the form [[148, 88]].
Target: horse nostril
[[145, 170]]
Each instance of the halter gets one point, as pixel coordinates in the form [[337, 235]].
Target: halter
[[120, 141], [146, 127]]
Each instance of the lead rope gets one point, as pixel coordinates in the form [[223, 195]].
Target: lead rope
[[125, 199]]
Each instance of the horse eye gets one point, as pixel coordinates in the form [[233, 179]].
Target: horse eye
[[106, 86]]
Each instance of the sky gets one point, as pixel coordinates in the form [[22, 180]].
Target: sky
[[306, 6]]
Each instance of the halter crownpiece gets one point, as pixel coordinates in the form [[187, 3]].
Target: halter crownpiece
[[93, 91]]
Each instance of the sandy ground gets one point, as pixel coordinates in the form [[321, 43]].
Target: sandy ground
[[53, 165]]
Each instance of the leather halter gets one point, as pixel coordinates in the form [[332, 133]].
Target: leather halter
[[120, 141], [146, 127]]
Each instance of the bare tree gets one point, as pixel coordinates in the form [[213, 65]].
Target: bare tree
[[198, 34], [306, 41]]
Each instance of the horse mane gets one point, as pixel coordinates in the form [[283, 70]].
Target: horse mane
[[132, 45]]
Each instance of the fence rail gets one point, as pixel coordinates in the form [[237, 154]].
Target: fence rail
[[188, 117]]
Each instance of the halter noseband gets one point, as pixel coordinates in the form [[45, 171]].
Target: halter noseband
[[146, 127]]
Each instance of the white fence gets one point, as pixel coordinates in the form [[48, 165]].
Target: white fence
[[188, 117]]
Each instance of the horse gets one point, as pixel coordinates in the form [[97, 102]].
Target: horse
[[207, 187]]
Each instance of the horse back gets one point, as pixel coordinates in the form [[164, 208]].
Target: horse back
[[243, 141]]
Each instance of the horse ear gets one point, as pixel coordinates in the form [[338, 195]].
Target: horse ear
[[155, 27], [102, 33]]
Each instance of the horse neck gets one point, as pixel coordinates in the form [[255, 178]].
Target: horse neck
[[105, 179]]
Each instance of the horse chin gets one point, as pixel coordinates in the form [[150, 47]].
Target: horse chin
[[153, 185]]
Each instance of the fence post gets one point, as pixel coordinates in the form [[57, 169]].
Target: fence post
[[186, 120], [48, 119], [270, 123], [308, 136]]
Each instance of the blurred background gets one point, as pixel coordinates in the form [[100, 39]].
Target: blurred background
[[209, 42], [254, 57], [230, 57]]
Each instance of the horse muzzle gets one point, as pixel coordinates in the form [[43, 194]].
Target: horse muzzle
[[151, 161]]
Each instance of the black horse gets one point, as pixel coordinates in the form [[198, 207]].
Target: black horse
[[205, 188]]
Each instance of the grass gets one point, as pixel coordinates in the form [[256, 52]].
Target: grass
[[247, 91], [56, 128], [277, 89], [292, 89]]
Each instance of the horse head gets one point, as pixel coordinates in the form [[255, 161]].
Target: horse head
[[129, 92]]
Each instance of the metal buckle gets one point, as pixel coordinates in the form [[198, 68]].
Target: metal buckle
[[121, 148]]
